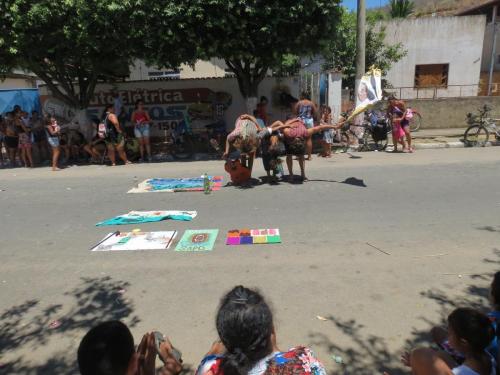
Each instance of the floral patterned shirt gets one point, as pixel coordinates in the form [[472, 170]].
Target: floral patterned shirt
[[296, 361]]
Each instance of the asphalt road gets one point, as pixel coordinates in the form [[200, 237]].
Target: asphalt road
[[382, 245]]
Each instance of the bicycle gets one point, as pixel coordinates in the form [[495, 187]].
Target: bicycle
[[415, 120], [480, 126], [375, 135]]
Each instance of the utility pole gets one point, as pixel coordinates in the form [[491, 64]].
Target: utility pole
[[493, 48], [360, 42]]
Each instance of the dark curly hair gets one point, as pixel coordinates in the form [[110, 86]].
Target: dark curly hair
[[297, 147], [106, 349], [473, 327], [245, 326]]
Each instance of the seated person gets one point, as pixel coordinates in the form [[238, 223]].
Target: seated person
[[470, 332], [297, 136], [248, 341], [244, 139], [440, 335], [108, 349], [77, 144]]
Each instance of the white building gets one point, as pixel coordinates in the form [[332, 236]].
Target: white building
[[491, 45], [444, 56], [18, 79], [214, 68]]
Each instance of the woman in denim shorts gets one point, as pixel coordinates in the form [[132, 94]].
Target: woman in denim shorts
[[141, 121]]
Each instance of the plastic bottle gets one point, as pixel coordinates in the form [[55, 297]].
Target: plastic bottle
[[136, 182], [206, 184]]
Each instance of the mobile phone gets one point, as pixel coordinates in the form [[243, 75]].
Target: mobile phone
[[159, 338]]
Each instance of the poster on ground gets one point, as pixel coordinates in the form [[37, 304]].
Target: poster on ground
[[198, 240], [135, 240]]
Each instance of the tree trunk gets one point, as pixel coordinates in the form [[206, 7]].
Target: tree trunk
[[249, 77], [84, 123]]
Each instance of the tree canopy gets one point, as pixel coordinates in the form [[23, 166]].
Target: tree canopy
[[252, 36], [69, 44], [74, 44], [341, 51]]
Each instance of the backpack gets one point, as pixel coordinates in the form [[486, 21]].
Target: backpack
[[102, 129]]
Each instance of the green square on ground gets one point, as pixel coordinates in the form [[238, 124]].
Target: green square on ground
[[273, 239]]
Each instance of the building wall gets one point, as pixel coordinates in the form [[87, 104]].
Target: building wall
[[457, 41], [215, 68], [169, 101], [452, 112], [17, 83], [488, 41]]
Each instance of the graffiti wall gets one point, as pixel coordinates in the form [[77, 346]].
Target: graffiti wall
[[178, 104]]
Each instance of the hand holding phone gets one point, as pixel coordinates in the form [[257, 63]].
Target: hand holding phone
[[165, 349]]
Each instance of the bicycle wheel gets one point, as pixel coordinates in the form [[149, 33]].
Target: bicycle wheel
[[367, 143], [343, 140], [476, 136], [415, 122]]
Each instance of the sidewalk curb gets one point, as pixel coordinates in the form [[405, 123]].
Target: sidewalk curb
[[429, 146], [456, 144]]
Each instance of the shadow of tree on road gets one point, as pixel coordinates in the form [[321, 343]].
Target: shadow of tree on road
[[490, 228], [27, 325], [370, 354]]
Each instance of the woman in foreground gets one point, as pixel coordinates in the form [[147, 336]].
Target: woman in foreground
[[248, 341]]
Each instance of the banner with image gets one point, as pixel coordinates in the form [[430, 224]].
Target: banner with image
[[369, 91]]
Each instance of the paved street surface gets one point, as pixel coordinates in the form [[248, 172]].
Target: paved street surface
[[382, 245]]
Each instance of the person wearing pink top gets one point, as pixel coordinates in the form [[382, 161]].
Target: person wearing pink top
[[142, 123]]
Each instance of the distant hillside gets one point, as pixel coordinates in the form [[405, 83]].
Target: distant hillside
[[444, 7]]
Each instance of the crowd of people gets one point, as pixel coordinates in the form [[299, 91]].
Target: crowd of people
[[247, 344], [31, 139], [25, 136]]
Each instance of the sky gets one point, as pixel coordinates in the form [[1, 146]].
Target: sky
[[352, 4]]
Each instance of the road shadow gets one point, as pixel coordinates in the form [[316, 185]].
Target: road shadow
[[28, 325], [367, 355], [370, 354], [353, 181], [250, 184], [490, 228]]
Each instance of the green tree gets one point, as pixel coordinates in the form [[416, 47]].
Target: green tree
[[401, 8], [341, 51], [70, 44], [252, 36]]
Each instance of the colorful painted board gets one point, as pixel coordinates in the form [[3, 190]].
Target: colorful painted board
[[253, 236], [139, 217], [127, 241], [174, 185], [198, 240]]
